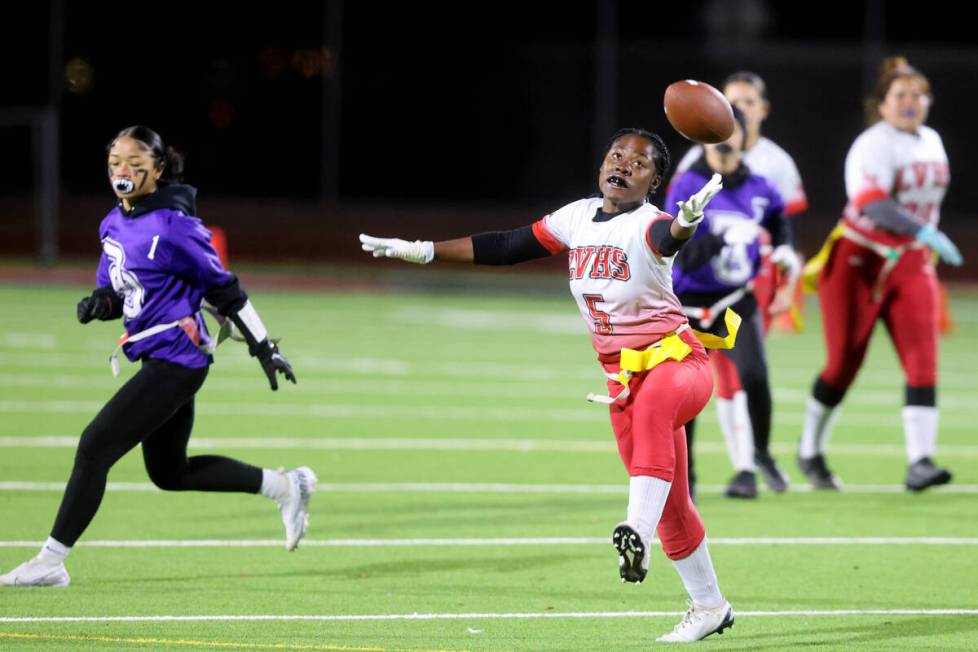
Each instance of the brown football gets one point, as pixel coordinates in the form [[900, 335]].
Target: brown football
[[698, 111]]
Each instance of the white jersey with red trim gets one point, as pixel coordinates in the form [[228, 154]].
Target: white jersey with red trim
[[623, 288], [887, 163], [766, 159]]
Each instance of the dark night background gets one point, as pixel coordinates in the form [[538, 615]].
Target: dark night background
[[443, 119]]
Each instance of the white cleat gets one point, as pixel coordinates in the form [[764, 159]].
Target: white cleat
[[295, 505], [37, 573], [699, 622]]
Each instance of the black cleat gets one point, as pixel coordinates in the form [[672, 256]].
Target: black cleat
[[922, 474], [818, 474], [743, 485], [774, 477], [631, 554]]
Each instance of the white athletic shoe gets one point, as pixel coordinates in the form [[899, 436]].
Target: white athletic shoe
[[295, 505], [699, 622], [37, 573]]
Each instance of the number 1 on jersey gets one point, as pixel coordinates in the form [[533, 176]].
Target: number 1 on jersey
[[602, 320], [152, 250]]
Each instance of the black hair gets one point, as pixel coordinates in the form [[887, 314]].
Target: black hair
[[748, 77], [167, 158], [660, 153]]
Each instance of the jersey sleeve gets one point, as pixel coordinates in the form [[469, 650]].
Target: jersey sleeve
[[102, 278], [869, 171], [553, 231], [792, 189], [194, 257]]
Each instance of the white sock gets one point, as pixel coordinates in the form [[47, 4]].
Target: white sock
[[274, 484], [819, 421], [737, 431], [53, 551], [699, 578], [744, 432], [725, 417], [646, 500], [920, 431]]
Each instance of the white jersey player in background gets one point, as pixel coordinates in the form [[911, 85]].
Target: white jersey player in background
[[878, 265], [763, 157]]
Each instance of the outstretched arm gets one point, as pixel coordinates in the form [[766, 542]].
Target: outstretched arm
[[495, 248]]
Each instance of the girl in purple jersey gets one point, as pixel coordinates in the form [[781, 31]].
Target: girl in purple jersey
[[715, 270], [157, 267]]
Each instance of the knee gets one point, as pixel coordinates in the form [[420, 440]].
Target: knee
[[165, 479]]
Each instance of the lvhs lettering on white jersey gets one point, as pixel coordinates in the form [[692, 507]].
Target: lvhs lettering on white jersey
[[911, 168], [124, 281], [767, 159], [622, 287]]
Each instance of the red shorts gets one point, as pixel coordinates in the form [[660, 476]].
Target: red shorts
[[648, 426], [907, 304]]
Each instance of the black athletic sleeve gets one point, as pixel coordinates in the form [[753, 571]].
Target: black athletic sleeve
[[698, 251], [507, 247], [228, 298], [781, 231], [661, 240]]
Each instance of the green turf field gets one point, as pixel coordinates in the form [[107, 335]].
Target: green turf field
[[468, 492]]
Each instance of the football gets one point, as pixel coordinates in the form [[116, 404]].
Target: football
[[698, 111]]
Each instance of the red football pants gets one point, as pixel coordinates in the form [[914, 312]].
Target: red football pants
[[652, 441], [907, 305]]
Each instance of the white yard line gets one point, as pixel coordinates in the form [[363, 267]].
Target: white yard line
[[805, 613], [591, 414], [605, 445], [503, 541], [492, 487]]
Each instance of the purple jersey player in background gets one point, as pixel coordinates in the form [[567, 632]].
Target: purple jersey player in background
[[715, 271], [157, 268]]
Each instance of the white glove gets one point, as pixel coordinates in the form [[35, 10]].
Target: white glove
[[741, 232], [419, 251], [785, 257], [691, 210]]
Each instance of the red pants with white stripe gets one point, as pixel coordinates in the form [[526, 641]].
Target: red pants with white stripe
[[648, 425], [907, 305]]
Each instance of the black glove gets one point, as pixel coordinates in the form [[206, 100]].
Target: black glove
[[272, 360], [103, 304]]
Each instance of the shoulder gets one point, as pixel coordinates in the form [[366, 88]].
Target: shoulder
[[109, 220], [769, 149], [879, 136], [930, 135], [582, 208]]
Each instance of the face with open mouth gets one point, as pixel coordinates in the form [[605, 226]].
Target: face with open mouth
[[627, 173], [133, 170]]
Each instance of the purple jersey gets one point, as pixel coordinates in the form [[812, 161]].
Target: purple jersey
[[160, 259], [745, 203]]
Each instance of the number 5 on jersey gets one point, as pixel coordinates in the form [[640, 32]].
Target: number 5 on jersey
[[601, 319]]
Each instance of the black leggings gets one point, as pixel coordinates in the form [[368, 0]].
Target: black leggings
[[155, 408], [750, 360]]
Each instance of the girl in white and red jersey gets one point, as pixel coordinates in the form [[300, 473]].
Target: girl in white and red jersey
[[880, 267], [620, 252]]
